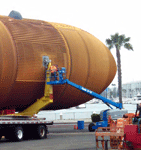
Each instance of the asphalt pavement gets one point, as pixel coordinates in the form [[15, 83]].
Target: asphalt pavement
[[62, 136]]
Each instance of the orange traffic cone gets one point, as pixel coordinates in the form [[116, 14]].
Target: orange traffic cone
[[75, 127]]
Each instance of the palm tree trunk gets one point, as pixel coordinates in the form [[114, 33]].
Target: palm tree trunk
[[119, 74]]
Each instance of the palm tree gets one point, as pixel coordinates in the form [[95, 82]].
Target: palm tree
[[117, 41]]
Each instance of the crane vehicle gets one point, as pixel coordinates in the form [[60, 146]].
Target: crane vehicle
[[16, 126]]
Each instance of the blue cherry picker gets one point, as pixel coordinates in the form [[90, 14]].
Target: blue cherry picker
[[58, 76]]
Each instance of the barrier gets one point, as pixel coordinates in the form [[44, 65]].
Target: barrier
[[80, 125]]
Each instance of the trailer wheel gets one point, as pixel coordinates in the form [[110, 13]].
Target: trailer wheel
[[18, 133], [41, 132], [15, 133], [90, 127]]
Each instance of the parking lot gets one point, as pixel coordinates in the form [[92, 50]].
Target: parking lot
[[60, 137]]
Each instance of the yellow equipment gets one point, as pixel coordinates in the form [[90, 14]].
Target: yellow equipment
[[48, 93]]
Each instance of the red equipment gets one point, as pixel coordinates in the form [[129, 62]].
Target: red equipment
[[120, 133], [132, 137]]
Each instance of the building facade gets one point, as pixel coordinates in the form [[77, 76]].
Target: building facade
[[130, 90]]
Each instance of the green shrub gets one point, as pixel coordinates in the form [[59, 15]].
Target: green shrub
[[95, 117]]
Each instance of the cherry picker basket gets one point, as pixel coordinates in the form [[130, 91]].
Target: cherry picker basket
[[57, 77]]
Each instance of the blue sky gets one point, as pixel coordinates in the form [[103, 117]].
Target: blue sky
[[101, 18]]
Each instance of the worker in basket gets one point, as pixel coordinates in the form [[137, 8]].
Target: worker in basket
[[53, 70]]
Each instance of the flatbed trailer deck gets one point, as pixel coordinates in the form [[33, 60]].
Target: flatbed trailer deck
[[9, 120], [17, 128]]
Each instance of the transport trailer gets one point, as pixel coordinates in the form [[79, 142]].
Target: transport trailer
[[17, 128], [25, 124]]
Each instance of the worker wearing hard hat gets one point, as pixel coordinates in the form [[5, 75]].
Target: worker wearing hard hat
[[53, 70]]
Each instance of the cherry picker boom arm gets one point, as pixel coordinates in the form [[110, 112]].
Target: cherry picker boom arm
[[98, 96], [61, 74]]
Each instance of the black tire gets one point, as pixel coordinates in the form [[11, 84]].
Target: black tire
[[18, 133], [41, 132], [90, 127], [15, 133]]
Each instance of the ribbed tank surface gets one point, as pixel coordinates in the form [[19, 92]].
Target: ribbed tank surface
[[23, 43]]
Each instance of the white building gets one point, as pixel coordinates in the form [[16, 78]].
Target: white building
[[130, 90]]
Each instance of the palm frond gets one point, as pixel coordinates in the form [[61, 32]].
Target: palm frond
[[110, 46], [128, 46], [121, 39], [109, 42], [114, 38], [126, 39], [118, 41]]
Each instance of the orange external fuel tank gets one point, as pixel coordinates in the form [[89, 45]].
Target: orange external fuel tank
[[23, 43]]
